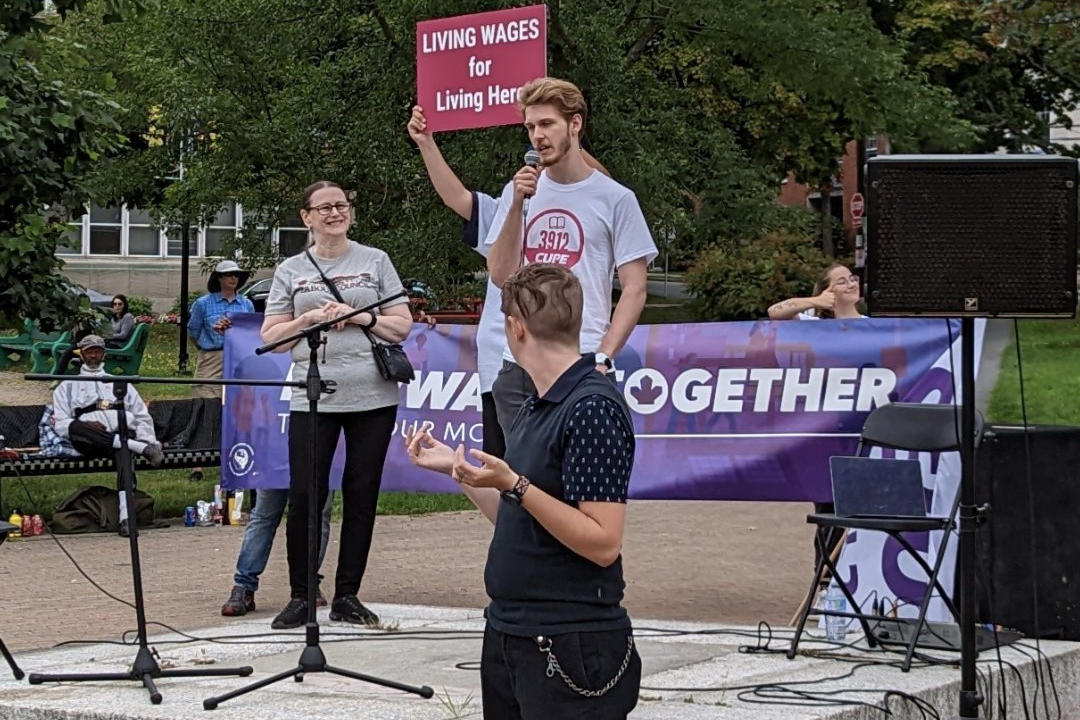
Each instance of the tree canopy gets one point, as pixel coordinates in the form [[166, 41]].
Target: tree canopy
[[701, 108], [51, 133]]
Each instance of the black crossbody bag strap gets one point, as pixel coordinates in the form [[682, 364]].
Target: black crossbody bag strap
[[389, 358]]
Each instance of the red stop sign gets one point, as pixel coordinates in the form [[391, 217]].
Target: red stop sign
[[857, 205]]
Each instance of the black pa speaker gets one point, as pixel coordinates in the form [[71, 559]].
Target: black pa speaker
[[971, 235], [1017, 560]]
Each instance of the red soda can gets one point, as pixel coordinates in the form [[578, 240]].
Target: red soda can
[[38, 524], [27, 526]]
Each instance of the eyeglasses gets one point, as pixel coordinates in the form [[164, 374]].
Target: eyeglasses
[[324, 210], [850, 280]]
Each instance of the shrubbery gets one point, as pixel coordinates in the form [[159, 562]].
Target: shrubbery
[[192, 297], [140, 306], [740, 280]]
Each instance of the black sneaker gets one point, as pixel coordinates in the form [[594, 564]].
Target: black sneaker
[[348, 609], [294, 615], [241, 601]]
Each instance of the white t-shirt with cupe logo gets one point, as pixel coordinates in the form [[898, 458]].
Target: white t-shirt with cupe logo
[[592, 227]]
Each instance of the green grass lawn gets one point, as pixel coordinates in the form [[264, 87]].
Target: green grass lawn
[[173, 490], [1050, 354], [162, 360]]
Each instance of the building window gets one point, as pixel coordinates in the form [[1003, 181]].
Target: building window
[[144, 238], [130, 232], [292, 235], [72, 241], [222, 228], [174, 240], [105, 230]]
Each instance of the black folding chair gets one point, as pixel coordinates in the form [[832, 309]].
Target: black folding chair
[[899, 426]]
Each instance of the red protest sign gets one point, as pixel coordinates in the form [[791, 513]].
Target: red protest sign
[[469, 67]]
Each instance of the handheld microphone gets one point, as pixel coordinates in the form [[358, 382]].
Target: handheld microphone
[[532, 159]]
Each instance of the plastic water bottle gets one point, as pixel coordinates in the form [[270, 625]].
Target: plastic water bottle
[[835, 626]]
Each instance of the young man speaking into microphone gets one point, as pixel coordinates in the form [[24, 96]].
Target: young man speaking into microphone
[[573, 216]]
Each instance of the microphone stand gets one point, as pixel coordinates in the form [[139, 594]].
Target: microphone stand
[[5, 528], [15, 669], [145, 668], [312, 658]]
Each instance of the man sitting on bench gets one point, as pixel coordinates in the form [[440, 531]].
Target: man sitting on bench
[[85, 417], [84, 414]]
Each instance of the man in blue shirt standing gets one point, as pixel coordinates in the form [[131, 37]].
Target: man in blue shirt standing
[[558, 643], [209, 320]]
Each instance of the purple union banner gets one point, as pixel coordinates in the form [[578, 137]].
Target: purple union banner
[[722, 411]]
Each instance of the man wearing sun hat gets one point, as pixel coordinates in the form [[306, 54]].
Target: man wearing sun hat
[[210, 319]]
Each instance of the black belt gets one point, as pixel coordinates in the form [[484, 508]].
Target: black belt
[[212, 350]]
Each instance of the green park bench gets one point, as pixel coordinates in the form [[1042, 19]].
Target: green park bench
[[23, 343], [124, 360]]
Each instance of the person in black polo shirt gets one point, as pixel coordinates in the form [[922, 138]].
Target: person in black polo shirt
[[558, 643]]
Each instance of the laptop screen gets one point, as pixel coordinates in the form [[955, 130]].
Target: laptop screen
[[877, 486]]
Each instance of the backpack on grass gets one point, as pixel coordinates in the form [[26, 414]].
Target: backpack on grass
[[97, 509]]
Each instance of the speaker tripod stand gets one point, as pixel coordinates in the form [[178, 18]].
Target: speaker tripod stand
[[145, 669], [312, 658]]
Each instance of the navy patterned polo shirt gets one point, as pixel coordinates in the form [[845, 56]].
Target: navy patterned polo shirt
[[577, 444]]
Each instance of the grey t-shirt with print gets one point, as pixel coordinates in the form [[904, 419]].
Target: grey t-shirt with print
[[362, 275]]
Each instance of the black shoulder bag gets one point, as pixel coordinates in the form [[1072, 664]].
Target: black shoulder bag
[[390, 358]]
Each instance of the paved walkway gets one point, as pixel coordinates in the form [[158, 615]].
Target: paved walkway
[[709, 561]]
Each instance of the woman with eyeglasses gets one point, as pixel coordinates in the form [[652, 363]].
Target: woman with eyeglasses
[[836, 295], [122, 321], [329, 279]]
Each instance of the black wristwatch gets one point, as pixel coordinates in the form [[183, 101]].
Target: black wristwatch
[[374, 319], [517, 492]]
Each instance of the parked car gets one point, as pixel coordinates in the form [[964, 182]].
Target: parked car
[[257, 293]]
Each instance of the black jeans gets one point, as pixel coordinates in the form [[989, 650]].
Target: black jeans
[[367, 436], [494, 440], [92, 442], [515, 685], [511, 388]]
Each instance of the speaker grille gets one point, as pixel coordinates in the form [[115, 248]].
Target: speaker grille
[[971, 236]]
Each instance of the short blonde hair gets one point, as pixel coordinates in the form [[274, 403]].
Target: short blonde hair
[[547, 299], [564, 95]]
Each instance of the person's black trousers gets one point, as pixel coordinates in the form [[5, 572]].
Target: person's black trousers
[[367, 437], [91, 442], [494, 441], [515, 684]]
